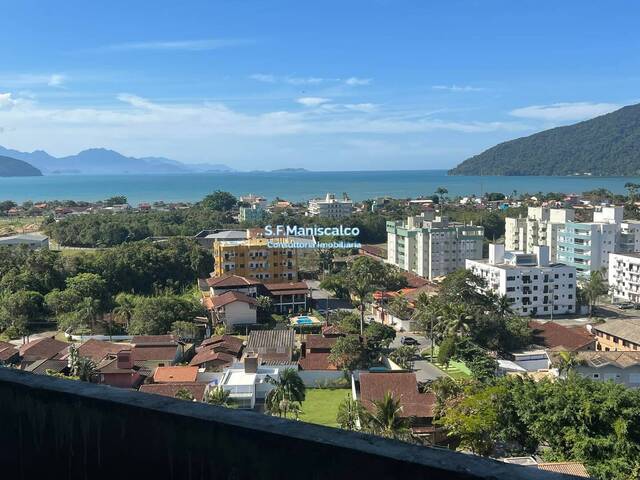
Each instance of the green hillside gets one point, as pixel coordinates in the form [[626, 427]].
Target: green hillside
[[10, 167], [608, 145]]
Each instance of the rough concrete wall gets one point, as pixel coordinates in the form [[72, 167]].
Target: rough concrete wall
[[61, 429]]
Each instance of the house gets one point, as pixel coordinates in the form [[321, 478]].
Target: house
[[618, 335], [42, 349], [272, 346], [159, 350], [96, 350], [289, 297], [552, 335], [217, 352], [121, 370], [314, 359], [619, 367], [177, 374], [42, 367], [233, 283], [417, 407], [9, 354], [197, 390], [232, 309], [575, 469]]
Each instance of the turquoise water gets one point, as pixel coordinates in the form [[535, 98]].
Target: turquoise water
[[304, 321], [291, 186]]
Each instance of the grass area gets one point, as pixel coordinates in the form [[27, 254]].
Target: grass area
[[14, 225], [455, 369], [321, 405]]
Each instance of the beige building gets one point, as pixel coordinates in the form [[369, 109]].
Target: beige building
[[539, 228], [621, 335]]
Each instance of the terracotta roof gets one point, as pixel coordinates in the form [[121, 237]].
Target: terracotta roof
[[316, 361], [175, 374], [403, 386], [7, 351], [110, 365], [170, 389], [40, 367], [96, 350], [43, 348], [567, 468], [332, 329], [205, 356], [599, 359], [153, 352], [373, 250], [231, 281], [227, 298], [415, 281], [156, 339], [286, 288], [319, 341], [627, 329], [553, 335], [222, 343]]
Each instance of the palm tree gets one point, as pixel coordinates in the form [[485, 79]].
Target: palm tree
[[502, 306], [184, 394], [217, 396], [125, 305], [360, 289], [386, 419], [88, 311], [594, 288], [566, 362], [287, 395], [457, 320], [350, 412], [85, 369]]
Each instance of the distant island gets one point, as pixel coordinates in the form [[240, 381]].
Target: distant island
[[105, 161], [608, 145], [12, 167], [291, 170]]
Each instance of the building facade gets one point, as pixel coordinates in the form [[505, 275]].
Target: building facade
[[624, 276], [432, 246], [331, 207], [532, 284], [539, 228]]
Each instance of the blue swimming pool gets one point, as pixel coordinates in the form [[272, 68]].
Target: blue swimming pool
[[304, 320]]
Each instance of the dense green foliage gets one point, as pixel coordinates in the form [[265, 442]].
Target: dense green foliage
[[606, 145], [575, 419]]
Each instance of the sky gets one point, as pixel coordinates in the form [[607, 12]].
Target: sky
[[324, 85]]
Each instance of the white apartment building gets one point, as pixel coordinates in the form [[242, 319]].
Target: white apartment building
[[431, 246], [539, 228], [530, 281], [587, 246], [624, 276], [331, 207]]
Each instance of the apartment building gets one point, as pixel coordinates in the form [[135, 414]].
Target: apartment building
[[431, 246], [252, 258], [254, 213], [530, 281], [621, 335], [331, 207], [540, 227], [624, 276]]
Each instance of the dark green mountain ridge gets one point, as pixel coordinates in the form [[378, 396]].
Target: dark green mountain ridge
[[11, 167], [608, 145]]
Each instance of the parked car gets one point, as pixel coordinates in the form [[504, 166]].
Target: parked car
[[409, 341], [625, 306]]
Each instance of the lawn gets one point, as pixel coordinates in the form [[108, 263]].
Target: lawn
[[321, 405], [455, 369]]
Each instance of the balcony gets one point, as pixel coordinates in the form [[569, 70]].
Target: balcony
[[75, 430]]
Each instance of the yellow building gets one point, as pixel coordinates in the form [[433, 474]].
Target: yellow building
[[253, 258]]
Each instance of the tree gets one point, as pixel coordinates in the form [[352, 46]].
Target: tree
[[155, 315], [85, 369], [447, 350], [565, 362], [90, 285], [442, 192], [379, 336], [399, 307], [217, 396], [187, 331], [265, 307], [594, 288], [349, 413], [348, 353], [18, 310], [184, 394], [405, 356], [632, 188], [387, 420], [287, 394], [125, 306], [219, 201], [362, 279]]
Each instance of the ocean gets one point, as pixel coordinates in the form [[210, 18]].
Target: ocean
[[288, 185]]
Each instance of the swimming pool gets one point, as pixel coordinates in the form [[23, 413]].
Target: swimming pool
[[304, 320]]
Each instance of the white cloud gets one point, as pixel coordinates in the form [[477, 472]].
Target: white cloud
[[56, 80], [263, 77], [6, 101], [312, 101], [354, 81], [176, 45], [457, 88], [559, 112], [361, 107]]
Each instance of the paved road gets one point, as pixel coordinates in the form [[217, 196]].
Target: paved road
[[425, 371], [322, 298], [33, 337]]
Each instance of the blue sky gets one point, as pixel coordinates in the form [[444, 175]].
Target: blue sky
[[325, 85]]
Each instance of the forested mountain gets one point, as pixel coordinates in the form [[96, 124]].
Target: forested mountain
[[608, 145], [10, 167]]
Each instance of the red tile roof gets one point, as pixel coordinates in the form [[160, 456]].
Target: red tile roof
[[206, 356], [178, 374], [316, 361], [43, 348], [287, 288], [231, 281], [373, 250], [157, 339], [146, 353], [319, 341], [227, 298], [554, 335], [222, 343], [568, 468], [96, 350], [7, 351], [403, 386], [170, 389]]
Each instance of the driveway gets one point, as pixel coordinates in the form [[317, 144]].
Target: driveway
[[424, 370]]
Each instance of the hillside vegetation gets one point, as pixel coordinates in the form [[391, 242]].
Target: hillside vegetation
[[608, 145]]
